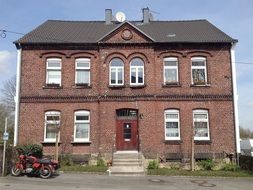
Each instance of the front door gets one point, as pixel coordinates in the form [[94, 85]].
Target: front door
[[127, 135]]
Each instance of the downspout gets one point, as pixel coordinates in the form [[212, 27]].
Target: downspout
[[17, 97], [235, 101]]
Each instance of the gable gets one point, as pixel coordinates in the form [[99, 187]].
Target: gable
[[126, 33]]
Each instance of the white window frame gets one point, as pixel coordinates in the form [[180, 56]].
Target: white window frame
[[172, 111], [51, 113], [81, 113], [58, 60], [117, 68], [201, 111], [169, 67], [82, 60], [203, 59], [136, 73]]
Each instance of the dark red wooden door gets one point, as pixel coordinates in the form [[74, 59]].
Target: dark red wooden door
[[127, 135]]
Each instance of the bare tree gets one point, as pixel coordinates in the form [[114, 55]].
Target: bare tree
[[9, 93]]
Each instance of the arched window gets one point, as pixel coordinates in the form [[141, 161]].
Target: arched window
[[116, 72], [170, 70], [172, 124], [199, 74], [52, 124], [137, 72], [201, 124], [82, 126]]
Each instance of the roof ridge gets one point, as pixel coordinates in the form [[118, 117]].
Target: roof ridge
[[192, 20]]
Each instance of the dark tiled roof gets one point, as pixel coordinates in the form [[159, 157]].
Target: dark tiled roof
[[194, 31]]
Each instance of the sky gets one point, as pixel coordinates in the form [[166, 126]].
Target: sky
[[234, 17]]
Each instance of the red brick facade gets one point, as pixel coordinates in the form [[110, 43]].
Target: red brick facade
[[151, 100]]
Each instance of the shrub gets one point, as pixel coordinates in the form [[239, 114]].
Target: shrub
[[30, 149], [206, 164], [66, 160], [153, 164], [231, 167], [101, 162]]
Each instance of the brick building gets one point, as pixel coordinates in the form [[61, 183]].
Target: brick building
[[150, 86]]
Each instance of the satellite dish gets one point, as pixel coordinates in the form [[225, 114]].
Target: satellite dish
[[120, 17]]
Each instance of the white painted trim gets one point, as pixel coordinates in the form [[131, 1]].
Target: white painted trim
[[17, 97], [172, 111], [235, 99], [82, 113]]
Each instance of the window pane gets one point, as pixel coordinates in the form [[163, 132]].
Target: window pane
[[170, 63], [170, 75], [82, 130], [133, 75], [140, 75], [198, 75], [51, 130], [137, 62], [83, 77], [54, 77], [53, 118], [172, 116], [82, 117], [120, 76], [83, 64], [113, 76], [201, 129], [117, 62], [172, 129], [200, 116], [54, 64], [198, 63]]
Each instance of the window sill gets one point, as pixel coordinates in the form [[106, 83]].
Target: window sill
[[169, 85], [48, 86], [137, 86], [84, 142], [202, 142], [173, 142], [200, 85], [78, 86], [116, 86], [49, 142]]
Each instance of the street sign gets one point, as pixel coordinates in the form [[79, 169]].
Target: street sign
[[5, 136]]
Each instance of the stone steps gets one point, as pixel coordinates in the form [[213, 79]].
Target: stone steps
[[127, 163]]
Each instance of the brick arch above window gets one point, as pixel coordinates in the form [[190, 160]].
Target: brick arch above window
[[53, 54], [110, 56], [199, 53], [171, 53], [81, 54], [140, 55]]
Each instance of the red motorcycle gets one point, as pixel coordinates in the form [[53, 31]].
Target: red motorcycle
[[33, 166]]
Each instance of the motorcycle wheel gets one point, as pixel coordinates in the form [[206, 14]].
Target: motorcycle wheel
[[15, 171], [46, 172]]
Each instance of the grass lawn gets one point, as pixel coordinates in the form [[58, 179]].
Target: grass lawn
[[80, 168], [218, 173]]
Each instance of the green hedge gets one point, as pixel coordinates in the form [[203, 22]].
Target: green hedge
[[30, 149], [246, 162]]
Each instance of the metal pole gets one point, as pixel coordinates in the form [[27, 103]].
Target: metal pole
[[5, 129]]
